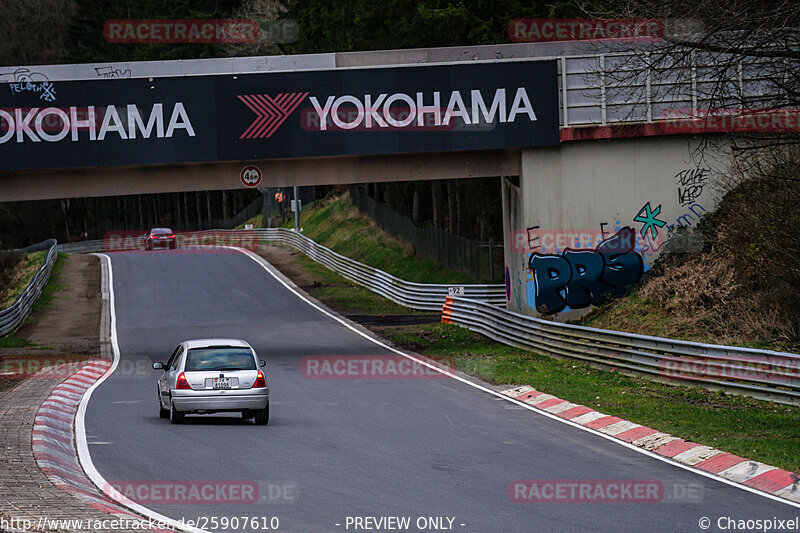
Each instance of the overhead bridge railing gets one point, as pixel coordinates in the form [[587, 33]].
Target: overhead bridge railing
[[13, 316], [632, 87], [761, 374], [419, 296]]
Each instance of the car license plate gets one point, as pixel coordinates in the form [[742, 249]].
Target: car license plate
[[222, 383]]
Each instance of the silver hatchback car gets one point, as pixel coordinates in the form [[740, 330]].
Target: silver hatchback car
[[210, 376]]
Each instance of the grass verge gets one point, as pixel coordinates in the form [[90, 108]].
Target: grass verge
[[755, 429], [12, 341], [337, 224], [45, 298], [51, 287], [25, 272], [345, 296]]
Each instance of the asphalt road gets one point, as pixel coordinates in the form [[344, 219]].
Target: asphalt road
[[339, 448]]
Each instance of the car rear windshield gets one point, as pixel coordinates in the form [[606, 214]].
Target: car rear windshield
[[161, 231], [221, 358]]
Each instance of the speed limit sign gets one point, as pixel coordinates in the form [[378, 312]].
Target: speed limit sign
[[251, 176]]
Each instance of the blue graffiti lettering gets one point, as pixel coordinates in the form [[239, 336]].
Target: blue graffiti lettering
[[578, 278]]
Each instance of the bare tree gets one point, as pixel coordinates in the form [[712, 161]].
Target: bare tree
[[437, 203], [452, 206], [716, 60], [272, 30], [226, 212]]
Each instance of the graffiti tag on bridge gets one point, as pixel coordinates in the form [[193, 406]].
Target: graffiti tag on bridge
[[690, 184], [581, 277], [35, 82]]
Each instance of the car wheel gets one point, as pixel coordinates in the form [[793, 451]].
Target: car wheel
[[162, 413], [262, 416], [175, 416], [247, 414]]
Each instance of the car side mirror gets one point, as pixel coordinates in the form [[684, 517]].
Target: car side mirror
[[262, 363], [158, 366]]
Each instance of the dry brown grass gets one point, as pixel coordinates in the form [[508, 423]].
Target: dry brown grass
[[743, 288]]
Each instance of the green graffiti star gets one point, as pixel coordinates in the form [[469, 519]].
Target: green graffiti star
[[649, 220]]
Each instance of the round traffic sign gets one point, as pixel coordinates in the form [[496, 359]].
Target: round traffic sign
[[251, 176]]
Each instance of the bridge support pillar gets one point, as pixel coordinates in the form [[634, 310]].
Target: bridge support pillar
[[562, 214]]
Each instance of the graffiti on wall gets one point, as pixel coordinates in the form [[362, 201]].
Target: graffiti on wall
[[112, 73], [518, 284], [648, 217], [565, 269], [691, 183], [577, 278], [23, 75], [687, 219], [24, 80]]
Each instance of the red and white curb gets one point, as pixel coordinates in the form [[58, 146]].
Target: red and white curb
[[53, 436], [752, 474], [59, 439]]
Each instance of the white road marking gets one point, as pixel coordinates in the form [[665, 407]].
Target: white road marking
[[84, 457]]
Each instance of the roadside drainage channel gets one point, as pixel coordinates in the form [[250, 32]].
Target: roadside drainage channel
[[753, 474]]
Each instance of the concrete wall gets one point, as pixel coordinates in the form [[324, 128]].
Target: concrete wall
[[577, 195]]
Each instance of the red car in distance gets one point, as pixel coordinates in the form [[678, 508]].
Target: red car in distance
[[160, 238]]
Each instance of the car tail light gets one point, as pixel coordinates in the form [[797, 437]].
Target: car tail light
[[154, 236], [172, 236], [182, 383], [261, 381]]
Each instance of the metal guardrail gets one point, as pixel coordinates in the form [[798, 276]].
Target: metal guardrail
[[82, 247], [12, 317], [762, 374], [419, 296]]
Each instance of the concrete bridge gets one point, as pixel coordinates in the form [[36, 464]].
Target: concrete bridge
[[600, 157]]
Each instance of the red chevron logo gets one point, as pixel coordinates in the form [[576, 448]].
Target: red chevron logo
[[270, 112]]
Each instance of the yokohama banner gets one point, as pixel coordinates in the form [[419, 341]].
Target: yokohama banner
[[279, 115]]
